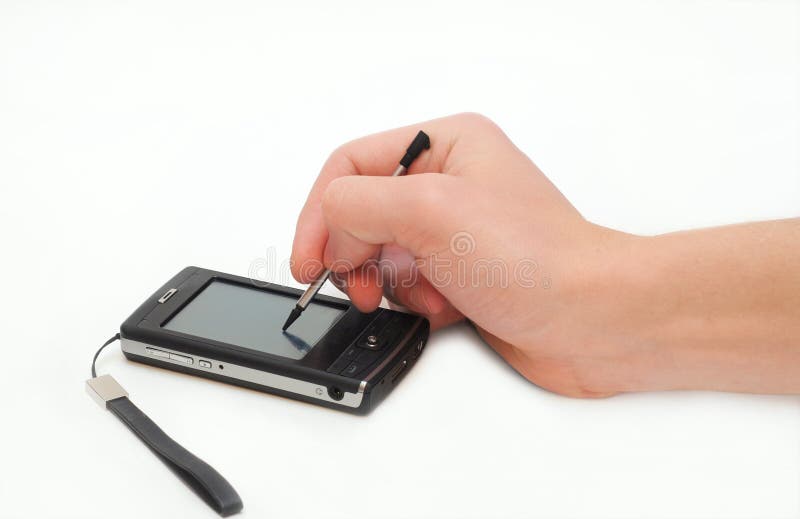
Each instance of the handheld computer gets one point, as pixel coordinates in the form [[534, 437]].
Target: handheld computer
[[228, 328]]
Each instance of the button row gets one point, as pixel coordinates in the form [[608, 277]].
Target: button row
[[385, 329], [354, 361], [176, 357]]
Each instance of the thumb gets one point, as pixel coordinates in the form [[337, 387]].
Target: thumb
[[417, 212]]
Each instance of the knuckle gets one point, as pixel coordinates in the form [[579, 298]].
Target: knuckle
[[476, 119], [339, 154], [340, 159]]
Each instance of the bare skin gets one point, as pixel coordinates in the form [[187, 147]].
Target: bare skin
[[585, 311]]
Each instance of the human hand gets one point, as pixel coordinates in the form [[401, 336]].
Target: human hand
[[474, 230]]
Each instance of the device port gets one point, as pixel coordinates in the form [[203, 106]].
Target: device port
[[335, 393], [398, 371]]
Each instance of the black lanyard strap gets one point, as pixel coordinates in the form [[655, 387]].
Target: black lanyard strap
[[199, 475], [196, 473]]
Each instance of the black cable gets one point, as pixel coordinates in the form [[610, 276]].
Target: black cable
[[94, 360]]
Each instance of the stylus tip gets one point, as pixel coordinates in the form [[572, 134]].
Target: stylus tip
[[296, 311]]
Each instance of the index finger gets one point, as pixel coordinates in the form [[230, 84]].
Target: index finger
[[376, 154]]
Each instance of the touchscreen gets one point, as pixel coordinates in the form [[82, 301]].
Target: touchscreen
[[251, 318]]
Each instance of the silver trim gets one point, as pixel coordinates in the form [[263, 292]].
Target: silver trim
[[234, 371]]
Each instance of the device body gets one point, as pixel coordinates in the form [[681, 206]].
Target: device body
[[352, 366]]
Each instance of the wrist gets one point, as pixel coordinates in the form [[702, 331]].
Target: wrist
[[620, 311]]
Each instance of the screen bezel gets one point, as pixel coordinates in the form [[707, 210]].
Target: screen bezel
[[146, 325]]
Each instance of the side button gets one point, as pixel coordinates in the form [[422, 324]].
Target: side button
[[181, 358], [157, 353], [204, 364]]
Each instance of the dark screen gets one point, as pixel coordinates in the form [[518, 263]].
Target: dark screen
[[252, 318]]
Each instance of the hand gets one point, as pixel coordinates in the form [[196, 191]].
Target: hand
[[475, 230]]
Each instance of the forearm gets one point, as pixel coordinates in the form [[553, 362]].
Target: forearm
[[715, 309]]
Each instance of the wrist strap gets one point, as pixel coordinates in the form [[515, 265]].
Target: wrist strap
[[196, 473]]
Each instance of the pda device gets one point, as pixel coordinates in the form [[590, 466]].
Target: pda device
[[228, 328]]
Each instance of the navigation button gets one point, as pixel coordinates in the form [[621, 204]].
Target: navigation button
[[351, 370]]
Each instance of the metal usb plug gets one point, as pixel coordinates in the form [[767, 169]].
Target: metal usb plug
[[103, 389]]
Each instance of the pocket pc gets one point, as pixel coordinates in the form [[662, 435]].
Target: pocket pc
[[228, 328]]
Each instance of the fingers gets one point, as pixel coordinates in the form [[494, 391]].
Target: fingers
[[396, 274], [413, 216], [418, 213], [361, 285], [422, 298], [365, 293], [403, 285], [378, 155]]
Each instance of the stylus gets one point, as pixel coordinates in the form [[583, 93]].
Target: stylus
[[420, 143]]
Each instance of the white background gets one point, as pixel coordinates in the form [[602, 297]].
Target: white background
[[140, 137]]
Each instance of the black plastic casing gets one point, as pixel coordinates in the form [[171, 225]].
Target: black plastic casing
[[396, 357]]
